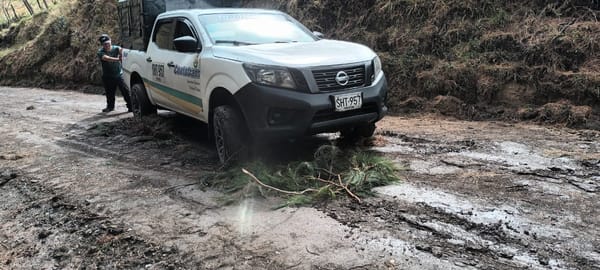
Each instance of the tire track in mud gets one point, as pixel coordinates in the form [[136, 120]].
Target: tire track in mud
[[150, 159], [452, 237], [447, 236], [79, 236], [56, 231], [506, 244]]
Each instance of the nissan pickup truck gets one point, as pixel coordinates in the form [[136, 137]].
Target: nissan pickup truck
[[254, 76]]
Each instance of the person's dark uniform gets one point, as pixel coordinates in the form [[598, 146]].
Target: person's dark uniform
[[112, 74]]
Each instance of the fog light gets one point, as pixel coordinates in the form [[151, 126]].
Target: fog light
[[278, 117]]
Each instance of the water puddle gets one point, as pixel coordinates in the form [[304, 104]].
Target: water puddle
[[520, 157], [510, 220], [473, 212], [432, 168]]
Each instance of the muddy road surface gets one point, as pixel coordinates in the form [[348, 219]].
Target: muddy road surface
[[81, 189]]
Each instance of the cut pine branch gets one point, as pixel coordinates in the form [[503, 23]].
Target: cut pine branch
[[276, 189], [28, 6]]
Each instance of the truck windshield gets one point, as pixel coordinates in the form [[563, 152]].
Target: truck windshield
[[239, 29]]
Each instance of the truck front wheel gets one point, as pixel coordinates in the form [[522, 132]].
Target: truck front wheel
[[140, 103], [359, 131], [231, 136]]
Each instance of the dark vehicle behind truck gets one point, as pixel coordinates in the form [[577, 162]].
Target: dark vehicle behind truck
[[136, 17]]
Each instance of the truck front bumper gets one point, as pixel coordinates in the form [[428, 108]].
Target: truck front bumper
[[274, 113]]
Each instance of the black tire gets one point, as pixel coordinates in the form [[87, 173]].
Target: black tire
[[140, 104], [230, 135], [358, 132]]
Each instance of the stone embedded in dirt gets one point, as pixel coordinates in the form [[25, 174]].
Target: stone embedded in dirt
[[11, 157], [437, 251], [44, 234], [423, 247], [141, 139], [543, 259], [390, 263], [29, 108], [115, 230], [8, 175], [60, 253]]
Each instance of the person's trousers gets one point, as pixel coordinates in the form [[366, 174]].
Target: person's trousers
[[110, 86]]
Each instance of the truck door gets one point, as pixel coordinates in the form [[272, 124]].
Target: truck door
[[160, 77], [176, 72], [186, 70]]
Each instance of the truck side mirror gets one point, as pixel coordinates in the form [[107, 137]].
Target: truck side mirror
[[319, 35], [186, 44]]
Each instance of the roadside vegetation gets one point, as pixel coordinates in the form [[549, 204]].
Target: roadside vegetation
[[485, 59]]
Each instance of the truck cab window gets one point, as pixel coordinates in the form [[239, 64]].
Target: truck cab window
[[182, 29], [163, 36]]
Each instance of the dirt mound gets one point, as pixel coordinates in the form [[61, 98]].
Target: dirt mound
[[57, 48], [497, 57]]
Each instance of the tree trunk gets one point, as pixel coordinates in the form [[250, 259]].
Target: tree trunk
[[39, 4], [28, 6], [45, 4]]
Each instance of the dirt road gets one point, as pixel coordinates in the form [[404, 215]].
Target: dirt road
[[81, 189]]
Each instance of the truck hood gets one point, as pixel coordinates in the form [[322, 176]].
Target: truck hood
[[318, 53]]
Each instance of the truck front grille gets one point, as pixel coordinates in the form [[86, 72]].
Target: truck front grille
[[326, 78]]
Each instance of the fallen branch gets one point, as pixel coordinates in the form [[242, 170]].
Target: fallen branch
[[169, 189], [340, 185], [517, 187], [348, 190], [276, 189], [312, 252]]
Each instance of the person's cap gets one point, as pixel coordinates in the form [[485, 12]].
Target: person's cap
[[104, 38]]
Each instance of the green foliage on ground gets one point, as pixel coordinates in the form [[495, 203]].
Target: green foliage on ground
[[332, 173]]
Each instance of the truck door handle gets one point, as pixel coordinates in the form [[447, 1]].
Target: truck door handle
[[149, 59], [171, 64]]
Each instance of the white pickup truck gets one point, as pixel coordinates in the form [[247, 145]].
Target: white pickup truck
[[255, 76]]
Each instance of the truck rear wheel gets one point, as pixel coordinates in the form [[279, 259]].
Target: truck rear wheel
[[231, 136], [140, 104]]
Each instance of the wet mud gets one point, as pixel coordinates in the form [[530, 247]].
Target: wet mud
[[82, 189]]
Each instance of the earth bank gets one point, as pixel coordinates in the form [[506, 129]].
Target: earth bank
[[487, 59]]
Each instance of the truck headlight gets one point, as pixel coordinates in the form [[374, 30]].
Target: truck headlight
[[376, 67], [269, 75]]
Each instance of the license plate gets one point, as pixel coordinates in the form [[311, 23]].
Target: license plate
[[347, 102]]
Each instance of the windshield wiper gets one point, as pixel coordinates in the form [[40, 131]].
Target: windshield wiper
[[234, 42]]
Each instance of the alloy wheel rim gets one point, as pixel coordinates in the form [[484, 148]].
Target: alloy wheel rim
[[219, 140], [136, 106]]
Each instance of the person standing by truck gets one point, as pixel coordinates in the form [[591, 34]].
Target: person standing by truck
[[112, 74]]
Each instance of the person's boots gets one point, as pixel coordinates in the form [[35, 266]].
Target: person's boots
[[108, 109]]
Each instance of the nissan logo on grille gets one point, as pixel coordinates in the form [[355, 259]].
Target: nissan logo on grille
[[342, 78]]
